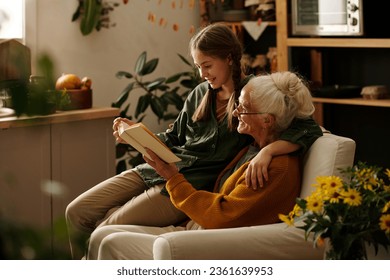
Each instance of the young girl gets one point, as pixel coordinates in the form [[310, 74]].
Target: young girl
[[204, 136]]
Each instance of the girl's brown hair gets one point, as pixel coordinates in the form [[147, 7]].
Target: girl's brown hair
[[218, 40]]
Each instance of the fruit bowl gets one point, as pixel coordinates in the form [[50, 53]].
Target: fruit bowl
[[80, 98]]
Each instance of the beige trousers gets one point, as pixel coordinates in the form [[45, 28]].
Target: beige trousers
[[128, 242], [121, 200]]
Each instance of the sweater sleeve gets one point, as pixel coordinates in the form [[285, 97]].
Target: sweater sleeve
[[237, 205], [302, 132]]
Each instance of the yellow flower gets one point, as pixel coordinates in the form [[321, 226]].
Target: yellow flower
[[314, 204], [335, 182], [286, 219], [297, 211], [386, 207], [365, 174], [368, 187], [332, 185], [388, 173], [321, 181], [352, 197], [373, 181], [385, 223], [335, 197]]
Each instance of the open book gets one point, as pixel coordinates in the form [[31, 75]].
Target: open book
[[139, 136]]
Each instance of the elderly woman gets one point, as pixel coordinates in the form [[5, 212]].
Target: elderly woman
[[266, 107]]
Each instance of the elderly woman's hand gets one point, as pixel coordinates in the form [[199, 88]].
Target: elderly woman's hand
[[165, 170], [257, 172], [115, 127]]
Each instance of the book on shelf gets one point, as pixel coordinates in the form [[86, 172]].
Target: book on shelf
[[140, 137]]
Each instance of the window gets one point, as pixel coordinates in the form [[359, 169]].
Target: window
[[11, 19]]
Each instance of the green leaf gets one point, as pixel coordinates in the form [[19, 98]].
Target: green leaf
[[149, 67], [121, 166], [77, 13], [143, 103], [158, 107], [124, 95], [136, 160], [301, 203], [188, 83], [141, 118], [184, 60], [174, 78], [162, 87], [92, 9], [45, 67], [121, 150], [123, 113], [121, 74], [139, 65], [155, 83], [174, 99]]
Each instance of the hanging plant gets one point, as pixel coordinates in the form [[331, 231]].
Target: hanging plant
[[94, 14]]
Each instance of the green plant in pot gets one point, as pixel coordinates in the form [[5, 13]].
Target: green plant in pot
[[37, 96], [157, 94], [94, 14]]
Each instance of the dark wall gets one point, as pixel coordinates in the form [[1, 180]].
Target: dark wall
[[368, 126]]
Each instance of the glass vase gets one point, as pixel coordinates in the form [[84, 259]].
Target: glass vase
[[357, 251]]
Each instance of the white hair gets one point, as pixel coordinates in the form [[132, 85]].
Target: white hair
[[282, 94]]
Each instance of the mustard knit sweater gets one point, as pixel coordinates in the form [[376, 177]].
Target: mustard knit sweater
[[236, 205]]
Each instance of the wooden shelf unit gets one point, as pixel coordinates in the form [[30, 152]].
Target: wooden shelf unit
[[338, 42], [284, 43], [354, 101]]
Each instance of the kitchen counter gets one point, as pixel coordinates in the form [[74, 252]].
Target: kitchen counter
[[59, 117]]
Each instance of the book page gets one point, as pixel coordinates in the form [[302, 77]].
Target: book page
[[139, 136]]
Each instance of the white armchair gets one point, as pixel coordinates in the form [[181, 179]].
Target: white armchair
[[327, 155]]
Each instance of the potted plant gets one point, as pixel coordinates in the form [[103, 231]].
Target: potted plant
[[156, 94], [347, 214]]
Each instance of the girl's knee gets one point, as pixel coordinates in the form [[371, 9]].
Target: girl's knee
[[71, 212]]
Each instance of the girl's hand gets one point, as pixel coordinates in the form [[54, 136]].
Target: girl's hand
[[115, 127], [165, 170], [257, 172]]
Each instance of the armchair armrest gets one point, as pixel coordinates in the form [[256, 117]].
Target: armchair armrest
[[276, 241]]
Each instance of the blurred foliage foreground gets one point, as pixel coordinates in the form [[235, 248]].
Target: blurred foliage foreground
[[22, 242]]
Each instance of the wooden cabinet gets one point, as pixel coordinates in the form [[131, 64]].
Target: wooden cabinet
[[24, 166], [45, 162]]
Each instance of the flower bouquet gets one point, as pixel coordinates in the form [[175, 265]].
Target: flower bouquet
[[348, 214]]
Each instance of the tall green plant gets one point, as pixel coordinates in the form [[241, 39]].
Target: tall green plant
[[156, 94]]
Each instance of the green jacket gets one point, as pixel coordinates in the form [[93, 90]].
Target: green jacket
[[207, 147]]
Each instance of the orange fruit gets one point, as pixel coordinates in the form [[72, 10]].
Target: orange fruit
[[86, 83], [68, 81]]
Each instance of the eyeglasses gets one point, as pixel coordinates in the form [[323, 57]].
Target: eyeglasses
[[241, 111]]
